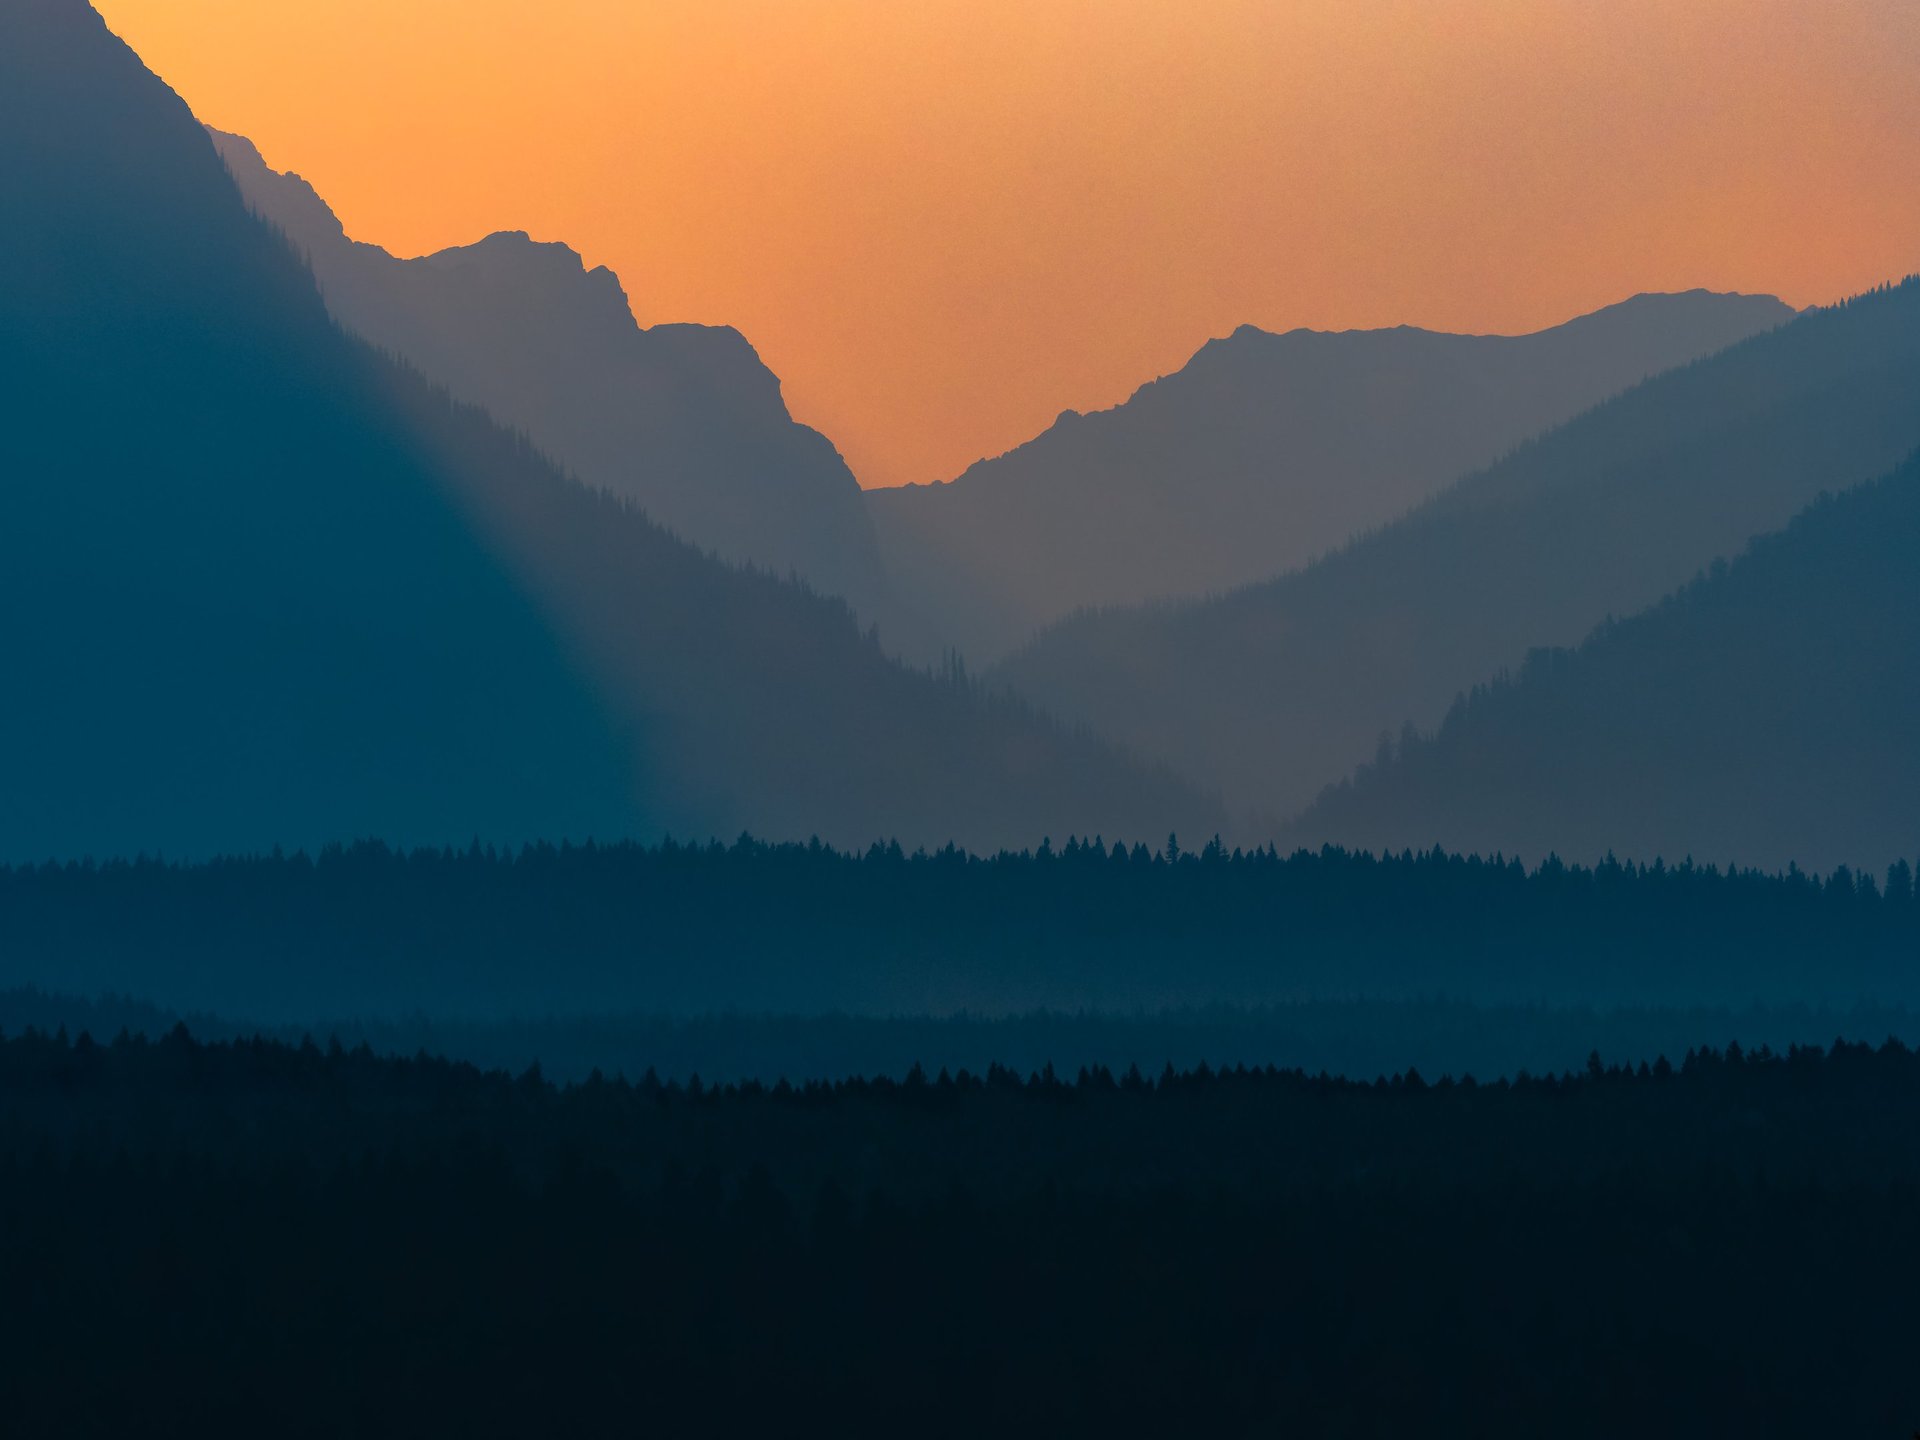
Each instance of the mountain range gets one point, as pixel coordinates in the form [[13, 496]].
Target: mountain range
[[683, 420], [260, 584], [1274, 691], [1264, 452], [300, 541]]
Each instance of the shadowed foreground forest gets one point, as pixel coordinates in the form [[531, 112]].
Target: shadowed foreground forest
[[804, 929], [319, 1241]]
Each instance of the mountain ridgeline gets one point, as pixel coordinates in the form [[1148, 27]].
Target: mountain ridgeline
[[1766, 713], [1275, 691], [1263, 452], [683, 420], [371, 628], [261, 585]]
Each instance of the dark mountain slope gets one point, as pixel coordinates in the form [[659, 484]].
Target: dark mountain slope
[[258, 584], [237, 606], [1275, 691], [1766, 713], [683, 420], [1262, 453]]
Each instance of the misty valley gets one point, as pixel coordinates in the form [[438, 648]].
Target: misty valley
[[1367, 888]]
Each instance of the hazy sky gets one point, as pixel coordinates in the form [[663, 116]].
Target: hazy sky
[[943, 221]]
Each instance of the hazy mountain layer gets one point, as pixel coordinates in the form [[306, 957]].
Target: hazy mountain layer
[[1767, 713], [1262, 453], [1275, 691], [259, 584], [683, 420]]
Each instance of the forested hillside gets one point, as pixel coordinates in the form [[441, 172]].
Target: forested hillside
[[1766, 713], [1276, 691]]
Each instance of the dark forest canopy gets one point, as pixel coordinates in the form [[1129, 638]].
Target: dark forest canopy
[[1348, 1037], [259, 1102], [200, 1235], [804, 929]]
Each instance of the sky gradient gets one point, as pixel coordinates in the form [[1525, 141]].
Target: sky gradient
[[943, 222]]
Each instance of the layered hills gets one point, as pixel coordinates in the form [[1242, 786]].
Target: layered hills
[[1764, 714], [260, 584], [1271, 692]]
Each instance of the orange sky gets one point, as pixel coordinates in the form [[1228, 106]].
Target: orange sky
[[943, 221]]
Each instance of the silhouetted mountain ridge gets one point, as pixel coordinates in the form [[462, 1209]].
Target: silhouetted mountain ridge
[[684, 420], [241, 603], [1274, 691], [263, 585], [1264, 451]]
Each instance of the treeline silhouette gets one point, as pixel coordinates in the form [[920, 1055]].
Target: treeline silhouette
[[196, 1237], [1356, 1037], [804, 929]]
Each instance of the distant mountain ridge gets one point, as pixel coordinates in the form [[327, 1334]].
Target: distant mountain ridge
[[1263, 452], [1765, 714], [684, 420], [260, 585], [1272, 692]]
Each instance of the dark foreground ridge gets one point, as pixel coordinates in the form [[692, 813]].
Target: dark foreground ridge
[[805, 929], [197, 1237]]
